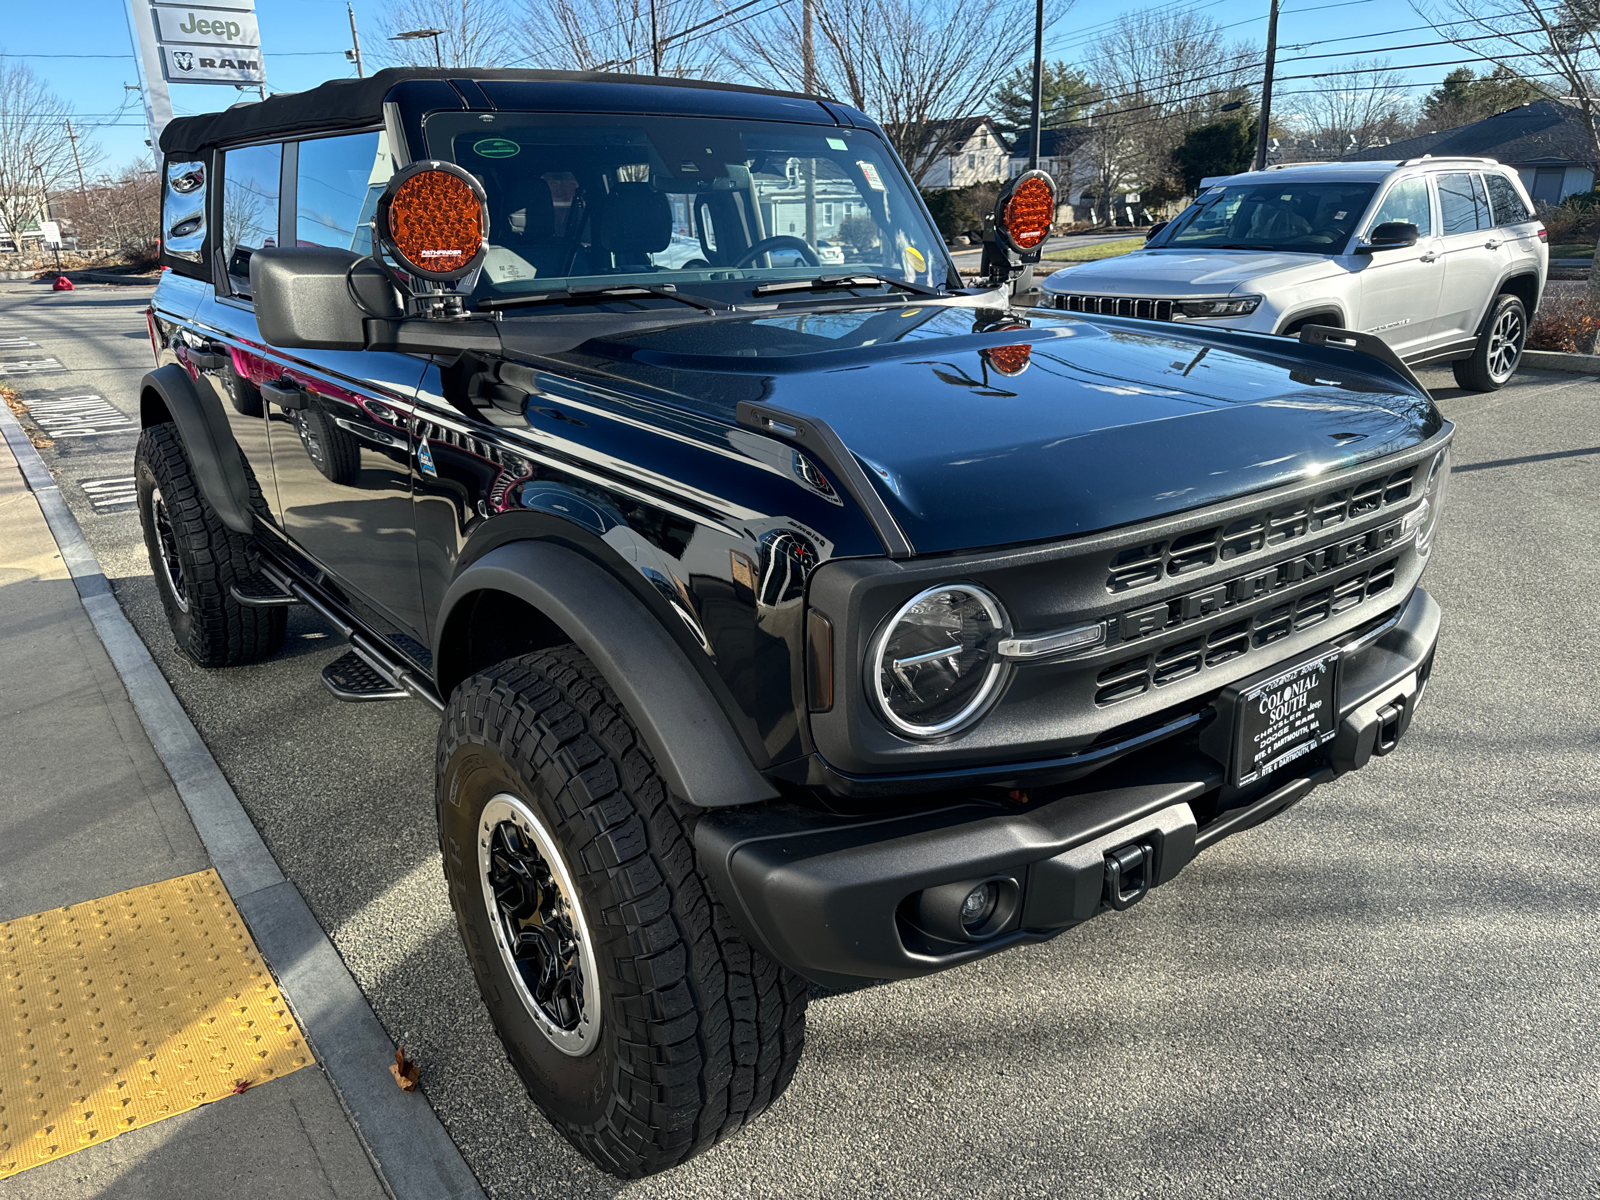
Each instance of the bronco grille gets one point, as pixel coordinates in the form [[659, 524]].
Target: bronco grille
[[1134, 676], [1141, 566], [1117, 306]]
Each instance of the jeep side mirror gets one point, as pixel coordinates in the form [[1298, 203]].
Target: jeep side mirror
[[1391, 235], [1154, 229], [319, 297]]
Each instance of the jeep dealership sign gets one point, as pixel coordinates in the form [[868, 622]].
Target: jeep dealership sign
[[211, 43]]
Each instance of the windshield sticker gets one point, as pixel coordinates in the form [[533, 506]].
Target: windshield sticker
[[915, 263], [496, 148], [1341, 214], [874, 181], [837, 144]]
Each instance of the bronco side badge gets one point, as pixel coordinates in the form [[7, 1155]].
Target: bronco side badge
[[425, 459]]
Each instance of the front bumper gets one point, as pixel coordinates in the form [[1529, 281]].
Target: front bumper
[[840, 899]]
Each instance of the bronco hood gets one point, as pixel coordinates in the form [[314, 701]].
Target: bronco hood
[[982, 436]]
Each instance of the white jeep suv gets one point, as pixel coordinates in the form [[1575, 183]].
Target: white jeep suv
[[1442, 258]]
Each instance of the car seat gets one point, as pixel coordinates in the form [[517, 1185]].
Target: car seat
[[633, 222]]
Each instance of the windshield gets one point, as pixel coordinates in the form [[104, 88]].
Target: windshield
[[708, 205], [1308, 218]]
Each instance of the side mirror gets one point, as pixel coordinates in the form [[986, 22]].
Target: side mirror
[[1154, 229], [306, 298], [1391, 235]]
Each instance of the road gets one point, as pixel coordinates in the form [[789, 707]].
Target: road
[[1390, 991], [971, 258]]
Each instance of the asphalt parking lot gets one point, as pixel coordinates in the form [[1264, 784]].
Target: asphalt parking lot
[[1387, 992]]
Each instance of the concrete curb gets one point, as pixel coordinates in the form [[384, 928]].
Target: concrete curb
[[1559, 360], [414, 1156], [120, 280]]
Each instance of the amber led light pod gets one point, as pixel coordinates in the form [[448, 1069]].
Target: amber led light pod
[[1027, 207], [433, 219], [1009, 360]]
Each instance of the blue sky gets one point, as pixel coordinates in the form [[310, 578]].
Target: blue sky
[[303, 43]]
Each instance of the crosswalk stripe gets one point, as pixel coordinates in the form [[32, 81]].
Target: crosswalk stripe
[[78, 416], [111, 493], [33, 366]]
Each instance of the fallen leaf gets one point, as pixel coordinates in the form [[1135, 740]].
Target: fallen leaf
[[239, 1085], [406, 1073]]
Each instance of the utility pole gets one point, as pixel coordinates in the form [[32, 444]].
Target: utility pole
[[808, 84], [355, 40], [1264, 121], [83, 192], [655, 41], [1038, 80]]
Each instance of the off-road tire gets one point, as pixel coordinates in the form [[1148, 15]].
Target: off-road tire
[[1485, 370], [209, 625], [700, 1031], [333, 450]]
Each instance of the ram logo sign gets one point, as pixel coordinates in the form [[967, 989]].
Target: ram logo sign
[[209, 44]]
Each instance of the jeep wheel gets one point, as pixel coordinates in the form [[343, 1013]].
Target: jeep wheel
[[196, 559], [1494, 359], [642, 1023]]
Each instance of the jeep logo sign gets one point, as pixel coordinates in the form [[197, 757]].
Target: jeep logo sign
[[206, 27]]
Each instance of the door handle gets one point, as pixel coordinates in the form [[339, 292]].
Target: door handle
[[1492, 244], [285, 394], [1430, 256]]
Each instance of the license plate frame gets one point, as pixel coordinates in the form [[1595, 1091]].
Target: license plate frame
[[1282, 714]]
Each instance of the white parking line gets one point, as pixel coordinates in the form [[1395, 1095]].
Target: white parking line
[[110, 493], [30, 366], [17, 343], [78, 416]]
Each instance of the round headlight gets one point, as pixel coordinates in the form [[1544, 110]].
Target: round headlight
[[1433, 500], [936, 666]]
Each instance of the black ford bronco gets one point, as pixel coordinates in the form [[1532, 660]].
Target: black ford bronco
[[796, 611]]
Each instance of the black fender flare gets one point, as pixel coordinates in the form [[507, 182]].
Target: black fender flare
[[1311, 310], [696, 749], [214, 456]]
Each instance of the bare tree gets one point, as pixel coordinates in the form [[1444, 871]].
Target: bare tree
[[35, 154], [909, 65], [472, 34], [669, 37], [121, 214], [1555, 47], [1352, 110], [1161, 73]]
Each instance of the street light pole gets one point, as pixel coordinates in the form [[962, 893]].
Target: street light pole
[[1038, 80], [655, 41], [411, 35], [83, 192], [808, 84], [1265, 119]]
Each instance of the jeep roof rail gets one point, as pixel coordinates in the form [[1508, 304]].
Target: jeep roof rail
[[1446, 158]]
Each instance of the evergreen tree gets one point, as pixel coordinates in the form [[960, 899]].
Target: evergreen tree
[[1464, 97], [1221, 148], [1067, 96]]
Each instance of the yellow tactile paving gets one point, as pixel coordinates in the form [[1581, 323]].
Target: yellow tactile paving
[[122, 1011]]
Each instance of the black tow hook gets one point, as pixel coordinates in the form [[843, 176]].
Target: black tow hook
[[1130, 870]]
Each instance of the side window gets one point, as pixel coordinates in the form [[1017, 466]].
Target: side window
[[1463, 205], [337, 184], [183, 210], [249, 208], [1406, 201], [1507, 202]]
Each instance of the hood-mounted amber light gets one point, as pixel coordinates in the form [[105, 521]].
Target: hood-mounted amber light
[[1025, 210], [433, 219]]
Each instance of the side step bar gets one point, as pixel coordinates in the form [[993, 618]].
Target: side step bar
[[374, 673], [259, 591]]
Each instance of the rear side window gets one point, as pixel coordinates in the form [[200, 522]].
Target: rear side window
[[1507, 202], [337, 184], [1463, 204], [249, 207], [1406, 201]]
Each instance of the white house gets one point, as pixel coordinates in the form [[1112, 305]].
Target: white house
[[964, 151]]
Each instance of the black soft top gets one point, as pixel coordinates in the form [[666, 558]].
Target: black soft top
[[357, 103]]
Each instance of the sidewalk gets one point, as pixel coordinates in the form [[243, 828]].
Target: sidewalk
[[87, 809]]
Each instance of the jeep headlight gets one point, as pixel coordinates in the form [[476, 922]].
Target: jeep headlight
[[1424, 519], [936, 666], [1222, 306]]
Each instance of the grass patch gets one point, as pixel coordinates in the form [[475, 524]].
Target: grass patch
[[1103, 250], [1572, 250]]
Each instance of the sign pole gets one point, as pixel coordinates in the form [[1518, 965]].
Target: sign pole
[[157, 100]]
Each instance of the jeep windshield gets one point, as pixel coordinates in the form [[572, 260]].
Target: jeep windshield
[[709, 206], [1304, 218]]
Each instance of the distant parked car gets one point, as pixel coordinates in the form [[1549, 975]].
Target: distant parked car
[[1441, 258]]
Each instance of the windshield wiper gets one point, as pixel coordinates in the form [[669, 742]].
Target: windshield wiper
[[835, 283], [605, 291]]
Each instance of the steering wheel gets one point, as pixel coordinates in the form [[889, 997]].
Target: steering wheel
[[782, 241]]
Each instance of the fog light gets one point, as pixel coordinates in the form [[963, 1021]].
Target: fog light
[[979, 905]]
